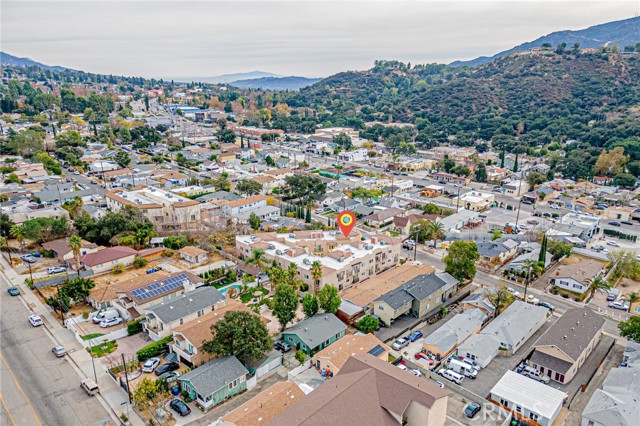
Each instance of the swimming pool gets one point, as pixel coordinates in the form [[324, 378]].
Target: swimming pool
[[224, 290]]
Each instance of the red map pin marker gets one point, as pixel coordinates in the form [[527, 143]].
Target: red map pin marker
[[346, 222]]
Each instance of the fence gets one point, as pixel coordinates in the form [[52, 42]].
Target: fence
[[114, 335]]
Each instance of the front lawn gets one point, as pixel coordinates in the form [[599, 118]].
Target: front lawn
[[92, 336], [103, 348], [253, 292]]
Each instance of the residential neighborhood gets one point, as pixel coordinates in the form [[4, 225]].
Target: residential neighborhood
[[207, 253]]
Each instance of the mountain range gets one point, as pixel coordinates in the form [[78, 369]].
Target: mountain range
[[618, 33], [7, 59], [275, 83]]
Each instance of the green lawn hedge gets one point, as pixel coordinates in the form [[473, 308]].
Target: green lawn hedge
[[153, 349]]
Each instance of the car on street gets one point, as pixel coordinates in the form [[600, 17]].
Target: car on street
[[626, 222], [549, 306], [623, 306], [180, 407], [457, 185], [399, 344], [554, 207], [318, 211], [29, 258], [496, 190], [56, 270], [409, 244], [110, 322], [77, 173], [513, 291], [416, 372], [170, 366], [13, 291], [59, 351], [533, 221], [615, 223], [523, 227], [472, 409], [613, 244], [150, 365], [170, 376], [415, 335], [281, 346], [439, 384], [402, 367], [35, 320]]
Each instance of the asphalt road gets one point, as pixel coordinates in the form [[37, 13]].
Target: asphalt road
[[38, 389]]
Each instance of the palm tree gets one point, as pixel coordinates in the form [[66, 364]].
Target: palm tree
[[3, 243], [75, 244], [316, 274], [533, 268], [598, 284], [257, 259], [17, 232], [631, 298], [292, 270], [436, 230]]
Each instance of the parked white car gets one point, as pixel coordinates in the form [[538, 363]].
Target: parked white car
[[35, 320], [111, 322], [150, 365], [623, 306]]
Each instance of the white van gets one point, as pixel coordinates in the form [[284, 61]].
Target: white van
[[452, 375], [462, 368], [105, 315], [534, 374]]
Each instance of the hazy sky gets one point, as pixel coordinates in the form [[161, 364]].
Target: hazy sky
[[310, 38]]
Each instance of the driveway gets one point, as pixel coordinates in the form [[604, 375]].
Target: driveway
[[127, 346]]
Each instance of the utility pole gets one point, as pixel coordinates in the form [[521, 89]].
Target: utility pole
[[126, 376]]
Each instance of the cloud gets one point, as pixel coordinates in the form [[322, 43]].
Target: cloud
[[206, 38]]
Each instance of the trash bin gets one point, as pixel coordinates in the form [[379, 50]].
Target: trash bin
[[176, 391]]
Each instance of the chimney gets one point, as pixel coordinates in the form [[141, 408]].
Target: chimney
[[188, 286]]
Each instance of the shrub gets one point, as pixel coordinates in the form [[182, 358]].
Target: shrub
[[140, 262], [118, 269], [153, 349], [301, 356], [134, 327]]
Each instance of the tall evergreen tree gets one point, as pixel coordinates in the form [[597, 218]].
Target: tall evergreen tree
[[543, 250], [515, 164], [307, 218], [502, 156]]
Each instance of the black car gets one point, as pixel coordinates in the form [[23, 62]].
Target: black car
[[615, 223], [180, 407], [472, 409], [626, 222], [170, 366]]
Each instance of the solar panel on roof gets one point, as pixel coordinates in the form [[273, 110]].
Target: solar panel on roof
[[377, 350]]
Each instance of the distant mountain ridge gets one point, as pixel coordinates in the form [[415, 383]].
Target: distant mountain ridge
[[7, 59], [618, 33], [229, 78], [276, 83]]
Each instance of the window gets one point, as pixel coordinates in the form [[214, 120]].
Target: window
[[338, 335], [201, 312], [181, 321], [518, 409], [533, 416], [505, 403]]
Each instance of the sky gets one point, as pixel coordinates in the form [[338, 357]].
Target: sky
[[184, 39]]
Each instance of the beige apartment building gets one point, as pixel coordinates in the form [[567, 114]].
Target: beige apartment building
[[166, 210], [344, 261]]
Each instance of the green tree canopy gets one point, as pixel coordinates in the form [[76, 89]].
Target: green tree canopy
[[248, 187], [329, 299], [305, 187], [285, 304], [309, 305], [461, 259], [630, 328], [367, 324], [241, 334]]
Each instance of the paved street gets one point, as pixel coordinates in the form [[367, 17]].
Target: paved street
[[38, 389]]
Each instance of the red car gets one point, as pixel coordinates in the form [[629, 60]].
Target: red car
[[423, 355]]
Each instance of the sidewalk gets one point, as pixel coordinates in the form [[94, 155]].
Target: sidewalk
[[111, 395]]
